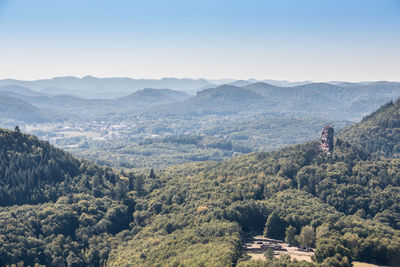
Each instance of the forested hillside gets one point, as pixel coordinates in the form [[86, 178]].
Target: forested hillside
[[198, 214], [202, 211], [56, 210], [84, 108], [16, 109], [31, 169], [379, 132]]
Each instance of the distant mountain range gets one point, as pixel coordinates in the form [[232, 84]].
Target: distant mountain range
[[19, 110], [349, 101], [225, 99], [323, 100], [18, 96], [93, 87]]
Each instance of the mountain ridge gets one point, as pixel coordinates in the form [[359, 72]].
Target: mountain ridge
[[378, 132]]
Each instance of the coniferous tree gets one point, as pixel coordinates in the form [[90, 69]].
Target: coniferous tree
[[152, 175]]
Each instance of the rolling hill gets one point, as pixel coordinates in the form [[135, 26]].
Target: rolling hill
[[93, 87], [29, 166], [88, 108], [379, 132], [54, 207], [224, 99], [327, 100], [150, 97], [321, 100], [350, 101], [20, 90], [16, 109], [299, 98]]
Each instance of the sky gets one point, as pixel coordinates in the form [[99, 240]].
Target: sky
[[319, 40]]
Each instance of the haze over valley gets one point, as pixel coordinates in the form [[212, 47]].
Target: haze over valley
[[152, 127]]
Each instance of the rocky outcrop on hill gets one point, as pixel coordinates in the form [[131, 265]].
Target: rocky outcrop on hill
[[327, 140]]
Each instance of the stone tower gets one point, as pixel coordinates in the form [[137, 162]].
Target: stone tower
[[327, 140]]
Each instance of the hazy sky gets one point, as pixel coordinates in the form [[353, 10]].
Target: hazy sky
[[316, 40]]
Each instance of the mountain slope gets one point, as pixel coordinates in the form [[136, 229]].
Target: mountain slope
[[151, 97], [28, 165], [84, 107], [64, 212], [299, 98], [240, 83], [224, 99], [379, 132], [203, 209], [228, 95], [31, 170], [328, 100], [20, 90], [13, 108]]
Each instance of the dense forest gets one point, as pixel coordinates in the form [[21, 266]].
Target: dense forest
[[60, 211], [208, 207], [33, 171], [378, 132]]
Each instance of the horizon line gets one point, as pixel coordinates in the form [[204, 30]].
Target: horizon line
[[80, 77]]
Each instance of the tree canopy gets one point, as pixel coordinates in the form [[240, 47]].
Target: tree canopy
[[58, 210]]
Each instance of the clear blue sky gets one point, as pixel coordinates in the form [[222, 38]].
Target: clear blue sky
[[316, 40]]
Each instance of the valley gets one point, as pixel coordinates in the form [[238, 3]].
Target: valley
[[141, 142], [155, 128]]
